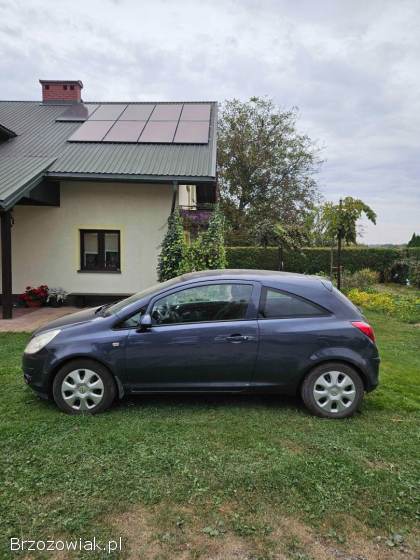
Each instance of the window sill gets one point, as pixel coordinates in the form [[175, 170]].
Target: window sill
[[99, 271]]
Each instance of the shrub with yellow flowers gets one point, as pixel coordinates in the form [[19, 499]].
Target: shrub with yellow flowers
[[372, 300], [405, 307]]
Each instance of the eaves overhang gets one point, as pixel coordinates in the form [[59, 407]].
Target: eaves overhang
[[6, 132], [22, 185], [130, 178]]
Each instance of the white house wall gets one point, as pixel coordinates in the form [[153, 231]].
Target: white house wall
[[46, 240]]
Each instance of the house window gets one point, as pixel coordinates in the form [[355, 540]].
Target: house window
[[100, 250]]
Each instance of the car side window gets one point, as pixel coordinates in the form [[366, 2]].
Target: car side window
[[277, 304], [213, 302], [133, 321]]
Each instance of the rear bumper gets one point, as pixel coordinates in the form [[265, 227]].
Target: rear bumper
[[371, 372]]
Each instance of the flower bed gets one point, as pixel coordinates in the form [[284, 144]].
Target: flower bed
[[34, 297], [403, 306]]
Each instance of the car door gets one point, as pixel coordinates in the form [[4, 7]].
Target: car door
[[203, 337], [291, 329]]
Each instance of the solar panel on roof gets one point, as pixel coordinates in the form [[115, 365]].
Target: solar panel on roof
[[91, 131], [107, 112], [196, 112], [158, 131], [137, 113], [125, 131], [77, 112], [166, 123], [166, 112], [192, 132]]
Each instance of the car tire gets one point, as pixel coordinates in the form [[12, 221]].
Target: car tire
[[333, 390], [84, 387]]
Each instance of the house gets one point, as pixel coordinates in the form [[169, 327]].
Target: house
[[86, 188]]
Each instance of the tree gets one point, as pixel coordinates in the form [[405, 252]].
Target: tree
[[173, 258], [341, 219], [341, 223], [265, 166], [414, 241], [208, 251], [315, 227], [291, 237]]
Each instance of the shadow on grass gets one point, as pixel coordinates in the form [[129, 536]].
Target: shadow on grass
[[210, 400]]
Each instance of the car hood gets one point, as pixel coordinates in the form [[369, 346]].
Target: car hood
[[70, 320]]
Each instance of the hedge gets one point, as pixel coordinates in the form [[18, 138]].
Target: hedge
[[317, 259]]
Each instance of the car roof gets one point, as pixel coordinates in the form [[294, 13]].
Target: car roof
[[253, 274]]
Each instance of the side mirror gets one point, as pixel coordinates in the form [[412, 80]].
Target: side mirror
[[145, 323]]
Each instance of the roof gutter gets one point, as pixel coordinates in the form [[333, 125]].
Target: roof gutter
[[125, 178]]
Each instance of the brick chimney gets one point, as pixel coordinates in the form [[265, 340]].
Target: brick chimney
[[61, 91]]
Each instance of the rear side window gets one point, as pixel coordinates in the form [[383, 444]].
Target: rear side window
[[276, 304]]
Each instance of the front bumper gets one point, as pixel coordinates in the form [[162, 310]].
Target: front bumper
[[35, 373]]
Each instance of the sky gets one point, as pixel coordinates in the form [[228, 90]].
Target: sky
[[352, 67]]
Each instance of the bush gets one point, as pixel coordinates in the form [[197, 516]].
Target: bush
[[414, 273], [314, 259], [174, 253], [374, 301], [398, 272], [404, 307], [34, 296], [414, 253], [405, 270], [363, 279], [208, 251]]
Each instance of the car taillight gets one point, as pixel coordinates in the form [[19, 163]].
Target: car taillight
[[365, 328]]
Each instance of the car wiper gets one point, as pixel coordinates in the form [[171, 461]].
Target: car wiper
[[103, 307]]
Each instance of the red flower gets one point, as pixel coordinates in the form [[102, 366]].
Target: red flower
[[35, 294]]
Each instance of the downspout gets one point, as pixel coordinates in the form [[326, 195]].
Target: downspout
[[6, 261], [174, 195]]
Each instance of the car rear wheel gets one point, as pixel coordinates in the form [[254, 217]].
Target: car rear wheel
[[83, 387], [333, 390]]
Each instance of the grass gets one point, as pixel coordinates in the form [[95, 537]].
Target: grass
[[190, 476]]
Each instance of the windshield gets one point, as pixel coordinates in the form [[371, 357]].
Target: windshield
[[119, 305]]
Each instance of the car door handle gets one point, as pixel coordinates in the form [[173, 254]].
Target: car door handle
[[236, 338]]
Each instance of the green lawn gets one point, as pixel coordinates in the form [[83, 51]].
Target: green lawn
[[225, 477]]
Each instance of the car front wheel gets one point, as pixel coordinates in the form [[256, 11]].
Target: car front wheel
[[83, 387], [333, 390]]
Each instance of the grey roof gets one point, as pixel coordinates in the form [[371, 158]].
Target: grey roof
[[40, 149], [5, 133], [18, 175]]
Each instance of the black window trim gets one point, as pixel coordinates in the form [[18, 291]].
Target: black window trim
[[202, 284], [101, 249], [263, 298], [119, 325]]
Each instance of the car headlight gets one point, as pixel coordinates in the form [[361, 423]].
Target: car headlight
[[38, 342]]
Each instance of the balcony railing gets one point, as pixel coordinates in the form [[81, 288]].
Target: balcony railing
[[197, 215]]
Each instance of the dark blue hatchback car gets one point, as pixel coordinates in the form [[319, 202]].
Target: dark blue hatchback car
[[212, 331]]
